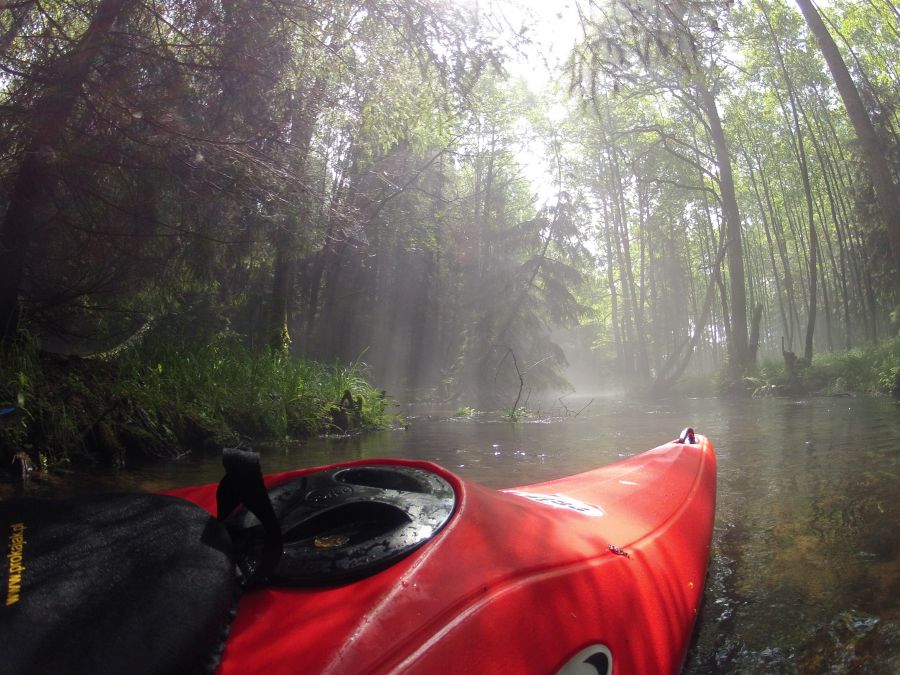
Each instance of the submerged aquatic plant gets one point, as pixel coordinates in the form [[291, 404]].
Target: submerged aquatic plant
[[515, 414], [465, 411]]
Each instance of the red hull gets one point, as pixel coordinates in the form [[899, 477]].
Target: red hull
[[515, 583]]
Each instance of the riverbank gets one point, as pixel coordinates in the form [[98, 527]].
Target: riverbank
[[869, 370], [865, 371], [163, 399]]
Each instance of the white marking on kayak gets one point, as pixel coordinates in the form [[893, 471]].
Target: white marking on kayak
[[593, 660], [628, 482], [559, 501]]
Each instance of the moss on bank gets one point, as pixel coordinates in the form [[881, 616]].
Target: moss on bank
[[164, 399]]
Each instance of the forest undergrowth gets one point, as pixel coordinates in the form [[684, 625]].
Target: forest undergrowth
[[868, 370], [164, 399]]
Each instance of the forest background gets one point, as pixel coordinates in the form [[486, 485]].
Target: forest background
[[206, 200]]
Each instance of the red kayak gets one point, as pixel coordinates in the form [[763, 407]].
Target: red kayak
[[402, 566]]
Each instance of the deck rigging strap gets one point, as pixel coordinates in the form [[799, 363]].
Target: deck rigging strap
[[243, 484]]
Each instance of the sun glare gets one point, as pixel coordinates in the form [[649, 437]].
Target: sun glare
[[541, 35], [550, 31]]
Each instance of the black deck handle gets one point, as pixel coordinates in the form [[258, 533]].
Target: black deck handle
[[687, 436]]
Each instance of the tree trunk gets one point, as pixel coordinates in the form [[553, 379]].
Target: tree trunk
[[840, 273], [638, 365], [770, 245], [286, 237], [278, 335], [800, 150], [872, 151], [739, 348], [665, 379], [613, 292]]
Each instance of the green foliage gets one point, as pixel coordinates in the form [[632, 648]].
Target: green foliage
[[166, 397], [20, 370], [873, 369], [269, 394], [889, 381], [515, 414], [864, 370], [465, 411], [53, 404]]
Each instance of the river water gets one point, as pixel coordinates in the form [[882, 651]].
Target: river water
[[805, 569]]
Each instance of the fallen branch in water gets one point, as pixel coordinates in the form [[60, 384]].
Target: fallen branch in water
[[568, 412], [515, 407]]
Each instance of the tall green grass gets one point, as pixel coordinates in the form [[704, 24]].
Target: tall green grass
[[874, 370], [221, 392], [265, 394], [871, 369]]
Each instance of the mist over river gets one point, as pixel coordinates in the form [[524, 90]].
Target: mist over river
[[805, 569]]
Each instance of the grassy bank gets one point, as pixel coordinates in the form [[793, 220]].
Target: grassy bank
[[163, 399], [870, 370]]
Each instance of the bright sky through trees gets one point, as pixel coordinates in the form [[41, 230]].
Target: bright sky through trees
[[550, 30]]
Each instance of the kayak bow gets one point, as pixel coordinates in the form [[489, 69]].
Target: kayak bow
[[600, 572]]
